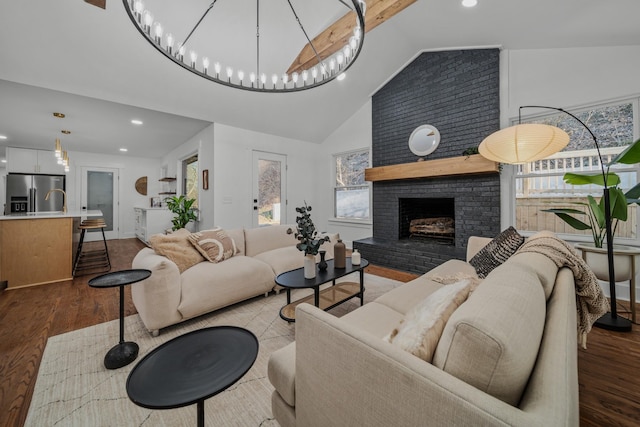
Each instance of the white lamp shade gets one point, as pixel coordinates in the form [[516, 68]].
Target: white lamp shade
[[523, 143]]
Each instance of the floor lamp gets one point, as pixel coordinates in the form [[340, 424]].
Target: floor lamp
[[524, 143]]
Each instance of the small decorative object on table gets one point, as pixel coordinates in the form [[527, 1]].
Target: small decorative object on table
[[339, 255], [355, 257], [309, 242], [322, 265]]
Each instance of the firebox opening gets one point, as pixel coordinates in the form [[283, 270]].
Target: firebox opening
[[427, 218]]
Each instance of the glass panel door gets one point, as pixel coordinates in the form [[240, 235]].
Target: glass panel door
[[100, 192], [269, 189]]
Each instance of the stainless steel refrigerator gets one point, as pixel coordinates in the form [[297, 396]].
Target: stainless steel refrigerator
[[26, 193]]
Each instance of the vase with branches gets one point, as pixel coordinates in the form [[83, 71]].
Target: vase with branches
[[308, 240]]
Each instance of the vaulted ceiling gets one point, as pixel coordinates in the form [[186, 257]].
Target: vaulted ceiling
[[93, 63]]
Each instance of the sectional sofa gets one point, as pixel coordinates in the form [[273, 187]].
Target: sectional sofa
[[506, 357]]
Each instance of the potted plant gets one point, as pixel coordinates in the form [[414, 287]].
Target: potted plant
[[182, 207], [308, 239], [594, 211]]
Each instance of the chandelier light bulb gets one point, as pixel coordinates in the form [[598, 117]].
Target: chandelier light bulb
[[217, 67], [205, 64], [340, 59], [469, 3], [158, 30], [341, 77], [58, 148], [229, 73], [305, 76], [181, 50], [138, 6], [332, 64], [314, 73], [66, 168], [194, 57], [285, 78], [170, 41], [263, 78], [353, 43], [240, 75], [294, 77], [357, 33], [252, 78], [274, 80], [148, 19], [347, 52]]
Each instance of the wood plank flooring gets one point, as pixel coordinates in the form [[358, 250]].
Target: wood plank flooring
[[609, 384]]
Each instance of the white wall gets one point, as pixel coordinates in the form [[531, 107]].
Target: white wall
[[355, 133], [233, 177], [130, 169]]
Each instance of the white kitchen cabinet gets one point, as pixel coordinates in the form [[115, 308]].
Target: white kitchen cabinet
[[150, 221], [26, 160]]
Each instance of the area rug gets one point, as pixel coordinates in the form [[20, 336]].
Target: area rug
[[74, 388]]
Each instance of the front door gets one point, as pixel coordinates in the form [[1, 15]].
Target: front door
[[100, 192], [269, 188]]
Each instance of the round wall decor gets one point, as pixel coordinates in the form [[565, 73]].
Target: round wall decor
[[424, 140], [141, 185]]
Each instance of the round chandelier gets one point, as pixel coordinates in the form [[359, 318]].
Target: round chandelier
[[183, 51]]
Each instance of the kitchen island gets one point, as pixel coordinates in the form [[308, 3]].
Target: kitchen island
[[39, 247]]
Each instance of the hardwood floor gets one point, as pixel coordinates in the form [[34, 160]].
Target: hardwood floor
[[609, 384]]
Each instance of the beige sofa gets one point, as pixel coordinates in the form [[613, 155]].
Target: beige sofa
[[169, 297], [507, 356]]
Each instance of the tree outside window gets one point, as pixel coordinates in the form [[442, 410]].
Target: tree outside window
[[191, 179], [351, 191]]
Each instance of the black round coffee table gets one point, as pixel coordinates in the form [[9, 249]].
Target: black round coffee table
[[122, 353], [192, 367]]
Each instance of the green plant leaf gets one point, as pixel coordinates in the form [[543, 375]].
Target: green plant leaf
[[573, 222], [597, 179], [630, 156], [633, 195], [618, 203], [564, 210], [597, 210]]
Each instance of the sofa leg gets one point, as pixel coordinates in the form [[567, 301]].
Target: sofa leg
[[266, 294], [155, 332]]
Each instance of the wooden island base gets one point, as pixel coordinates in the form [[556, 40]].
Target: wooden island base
[[36, 251]]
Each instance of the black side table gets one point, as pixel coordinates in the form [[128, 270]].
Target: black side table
[[192, 367], [124, 352]]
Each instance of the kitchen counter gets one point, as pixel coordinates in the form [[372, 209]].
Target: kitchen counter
[[53, 214], [38, 248]]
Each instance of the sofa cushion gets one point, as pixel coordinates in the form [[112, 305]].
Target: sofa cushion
[[374, 318], [420, 330], [496, 251], [543, 266], [237, 234], [453, 267], [403, 298], [177, 248], [262, 239], [494, 346], [214, 245], [207, 287]]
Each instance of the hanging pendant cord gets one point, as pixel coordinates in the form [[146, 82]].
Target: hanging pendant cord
[[258, 39], [315, 52], [198, 23]]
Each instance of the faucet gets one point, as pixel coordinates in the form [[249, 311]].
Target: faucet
[[64, 198]]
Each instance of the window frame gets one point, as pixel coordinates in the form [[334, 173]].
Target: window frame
[[335, 188], [194, 158], [512, 175]]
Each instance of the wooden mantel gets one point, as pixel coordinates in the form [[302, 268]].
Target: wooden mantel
[[463, 165]]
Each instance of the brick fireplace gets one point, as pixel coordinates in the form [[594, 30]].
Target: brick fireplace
[[457, 92]]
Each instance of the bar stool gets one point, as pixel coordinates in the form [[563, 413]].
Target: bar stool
[[94, 259]]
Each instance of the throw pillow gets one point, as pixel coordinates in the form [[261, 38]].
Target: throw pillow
[[215, 245], [496, 251], [420, 330], [177, 248]]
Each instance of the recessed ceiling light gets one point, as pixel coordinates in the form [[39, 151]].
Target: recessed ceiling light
[[136, 122], [123, 149], [3, 137], [66, 132], [59, 115], [3, 161], [341, 76], [469, 3]]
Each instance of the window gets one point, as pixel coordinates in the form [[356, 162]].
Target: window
[[190, 174], [539, 185], [351, 191]]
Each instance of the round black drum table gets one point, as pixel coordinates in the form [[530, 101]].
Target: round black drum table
[[192, 367], [122, 353]]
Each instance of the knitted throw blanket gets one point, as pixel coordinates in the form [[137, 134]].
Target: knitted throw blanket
[[590, 300]]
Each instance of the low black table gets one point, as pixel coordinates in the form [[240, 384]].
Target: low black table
[[327, 298], [192, 367], [122, 353]]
